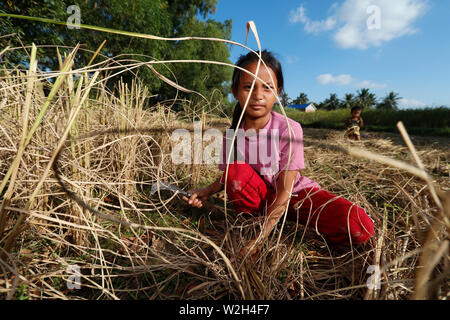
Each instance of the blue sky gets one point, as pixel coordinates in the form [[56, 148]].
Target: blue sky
[[340, 46]]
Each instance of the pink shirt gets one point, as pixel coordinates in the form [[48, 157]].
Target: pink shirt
[[256, 150]]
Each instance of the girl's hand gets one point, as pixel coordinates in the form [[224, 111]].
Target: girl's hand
[[197, 197]]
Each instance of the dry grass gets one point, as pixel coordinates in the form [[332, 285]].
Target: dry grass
[[109, 149]]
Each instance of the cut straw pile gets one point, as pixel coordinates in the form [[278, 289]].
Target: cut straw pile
[[107, 147]]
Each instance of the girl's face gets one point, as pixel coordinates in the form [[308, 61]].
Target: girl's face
[[261, 99], [356, 113]]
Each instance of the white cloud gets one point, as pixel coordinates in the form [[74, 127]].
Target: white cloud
[[411, 103], [343, 79], [370, 84], [299, 15], [360, 24], [347, 80]]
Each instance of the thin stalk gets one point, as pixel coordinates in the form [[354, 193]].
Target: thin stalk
[[17, 227], [67, 65], [15, 165]]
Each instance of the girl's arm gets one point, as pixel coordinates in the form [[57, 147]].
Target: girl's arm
[[361, 122], [276, 209], [215, 187], [200, 195]]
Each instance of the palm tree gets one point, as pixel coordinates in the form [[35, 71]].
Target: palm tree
[[365, 98], [390, 101], [301, 99], [332, 103], [349, 100], [285, 100], [321, 105]]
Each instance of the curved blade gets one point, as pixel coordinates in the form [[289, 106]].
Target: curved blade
[[167, 186]]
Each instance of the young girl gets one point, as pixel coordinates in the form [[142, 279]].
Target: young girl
[[253, 188], [354, 124]]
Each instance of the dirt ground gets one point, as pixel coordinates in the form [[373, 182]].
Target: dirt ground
[[420, 142]]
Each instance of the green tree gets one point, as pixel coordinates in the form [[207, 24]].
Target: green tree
[[201, 77], [349, 101], [285, 100], [166, 18], [29, 31], [332, 103], [390, 101], [135, 16], [321, 105], [301, 99], [365, 98], [183, 10]]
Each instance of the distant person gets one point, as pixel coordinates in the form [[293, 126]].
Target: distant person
[[253, 189], [354, 124]]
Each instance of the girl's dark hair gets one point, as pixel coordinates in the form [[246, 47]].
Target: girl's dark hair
[[245, 60], [356, 108]]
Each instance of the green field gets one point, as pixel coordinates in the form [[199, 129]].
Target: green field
[[428, 121]]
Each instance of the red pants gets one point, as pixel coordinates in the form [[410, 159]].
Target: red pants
[[336, 218]]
